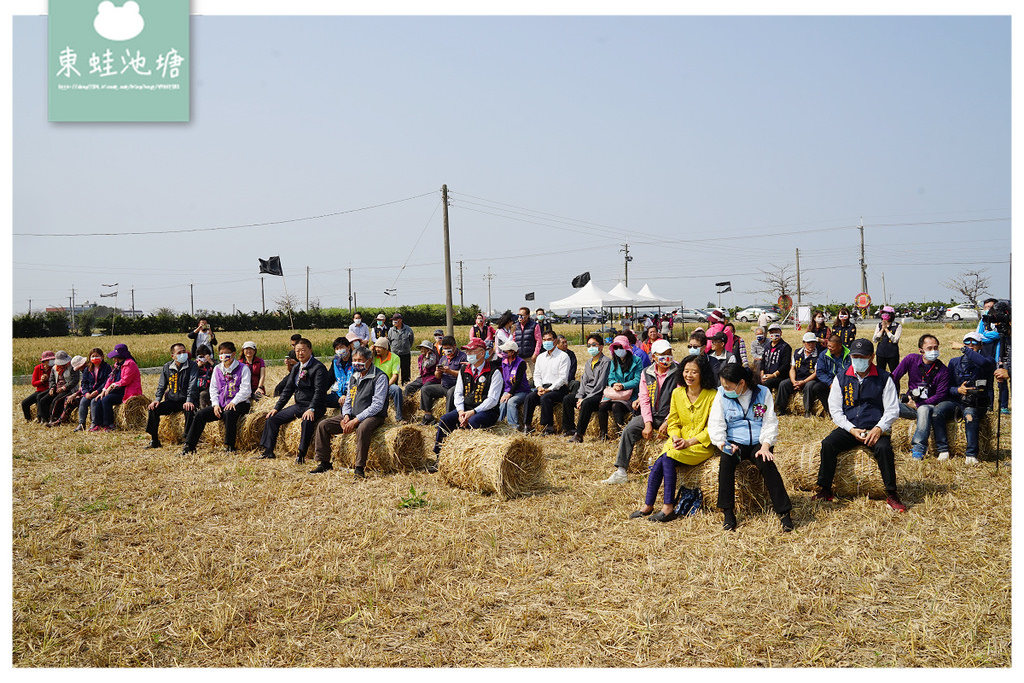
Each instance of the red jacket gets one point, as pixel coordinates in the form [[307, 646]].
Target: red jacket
[[41, 376]]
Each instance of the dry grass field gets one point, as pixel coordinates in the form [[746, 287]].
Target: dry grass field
[[131, 557]]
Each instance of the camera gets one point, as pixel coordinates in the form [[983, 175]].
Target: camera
[[919, 394]]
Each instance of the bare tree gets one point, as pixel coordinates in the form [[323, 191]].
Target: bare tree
[[780, 281], [971, 284], [286, 303]]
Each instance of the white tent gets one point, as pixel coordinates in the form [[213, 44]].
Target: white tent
[[589, 296], [646, 294], [621, 291]]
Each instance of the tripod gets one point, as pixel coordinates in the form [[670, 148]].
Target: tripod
[[1003, 355]]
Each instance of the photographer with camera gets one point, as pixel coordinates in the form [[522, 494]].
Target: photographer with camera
[[970, 391], [927, 387], [993, 328]]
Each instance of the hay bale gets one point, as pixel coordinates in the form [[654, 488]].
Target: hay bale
[[645, 452], [393, 448], [481, 461], [751, 494], [132, 414], [856, 470], [556, 418], [903, 434], [594, 430], [172, 428], [250, 427], [796, 406], [411, 406]]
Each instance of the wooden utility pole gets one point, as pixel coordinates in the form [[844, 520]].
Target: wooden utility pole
[[449, 311]]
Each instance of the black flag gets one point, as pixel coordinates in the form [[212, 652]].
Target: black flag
[[727, 283], [272, 266], [529, 297], [581, 280]]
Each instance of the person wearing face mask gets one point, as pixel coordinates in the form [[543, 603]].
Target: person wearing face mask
[[359, 328], [739, 347], [62, 408], [438, 336], [341, 366], [401, 338], [363, 411], [696, 343], [621, 388], [503, 329], [94, 376], [587, 397], [778, 356], [204, 374], [864, 405], [308, 381], [480, 329], [820, 329], [64, 381], [257, 368], [40, 385], [123, 383], [927, 387], [655, 391], [514, 384], [845, 328], [447, 371], [742, 424], [716, 324], [719, 357], [202, 336], [527, 336], [757, 348], [477, 392], [379, 329], [688, 440], [230, 400], [637, 349], [887, 336], [970, 391], [551, 382], [389, 364], [176, 391], [831, 363], [543, 321], [803, 376], [427, 364]]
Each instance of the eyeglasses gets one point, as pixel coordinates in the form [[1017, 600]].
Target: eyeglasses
[[593, 346], [693, 346]]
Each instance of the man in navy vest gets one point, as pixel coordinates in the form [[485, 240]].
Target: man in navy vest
[[864, 405], [526, 334]]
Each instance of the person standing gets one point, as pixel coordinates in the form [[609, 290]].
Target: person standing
[[379, 329], [845, 328], [359, 328], [176, 391], [527, 336], [887, 336], [820, 329], [480, 329], [230, 400], [202, 336], [308, 381], [401, 338], [992, 347]]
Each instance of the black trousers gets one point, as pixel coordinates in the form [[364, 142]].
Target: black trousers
[[431, 392], [619, 410], [769, 472], [30, 400], [46, 403], [841, 440], [167, 407], [206, 415], [404, 363], [547, 406], [588, 407], [774, 382], [293, 412], [887, 362]]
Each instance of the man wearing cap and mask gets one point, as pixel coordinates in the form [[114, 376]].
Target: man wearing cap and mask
[[447, 372], [63, 382], [551, 382], [803, 376], [176, 391], [63, 406], [927, 387], [477, 392], [656, 384], [389, 364], [718, 357], [778, 356], [379, 329], [970, 391], [401, 338], [515, 385], [864, 405]]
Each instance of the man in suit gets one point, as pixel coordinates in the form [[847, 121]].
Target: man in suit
[[308, 381]]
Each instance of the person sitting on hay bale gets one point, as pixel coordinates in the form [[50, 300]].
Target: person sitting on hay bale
[[204, 374], [427, 364], [123, 383], [230, 394], [970, 392], [176, 391], [257, 368], [93, 379], [864, 405], [477, 391], [743, 425], [515, 386], [621, 389], [364, 410], [390, 364], [551, 383], [927, 387], [778, 356], [341, 366], [289, 362], [447, 372], [831, 363], [803, 376], [688, 440], [62, 409], [308, 381], [719, 357], [656, 385], [40, 385], [587, 398], [64, 380]]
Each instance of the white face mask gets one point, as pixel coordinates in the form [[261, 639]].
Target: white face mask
[[181, 358], [819, 320], [931, 355], [472, 357], [357, 320]]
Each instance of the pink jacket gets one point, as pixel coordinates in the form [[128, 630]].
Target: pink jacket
[[715, 329], [131, 379]]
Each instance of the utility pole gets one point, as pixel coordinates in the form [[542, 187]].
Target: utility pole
[[799, 294], [133, 303], [488, 277], [72, 308], [263, 296], [192, 298], [863, 266], [449, 312], [625, 249], [461, 303], [885, 297], [30, 307], [307, 289], [350, 291]]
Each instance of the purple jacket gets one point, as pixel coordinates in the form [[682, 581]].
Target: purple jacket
[[514, 376], [935, 375], [453, 363]]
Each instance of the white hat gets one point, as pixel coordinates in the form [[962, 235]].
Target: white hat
[[78, 362], [249, 345], [380, 316], [509, 345], [661, 346], [382, 342], [810, 336]]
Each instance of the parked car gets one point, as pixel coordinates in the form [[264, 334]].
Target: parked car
[[750, 315], [962, 312], [691, 315], [590, 317]]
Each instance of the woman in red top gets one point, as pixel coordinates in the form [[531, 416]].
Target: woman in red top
[[481, 330], [257, 369], [41, 382]]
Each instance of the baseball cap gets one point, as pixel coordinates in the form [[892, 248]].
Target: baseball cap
[[718, 337], [775, 326], [861, 347], [974, 336], [249, 345], [509, 345], [474, 343], [382, 342], [810, 336], [662, 346]]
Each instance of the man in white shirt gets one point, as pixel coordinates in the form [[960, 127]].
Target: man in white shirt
[[551, 382], [864, 405], [359, 328]]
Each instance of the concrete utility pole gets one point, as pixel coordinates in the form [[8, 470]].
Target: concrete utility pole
[[350, 291], [449, 311], [799, 295], [863, 266], [461, 303], [133, 303], [625, 249], [307, 288], [263, 295], [487, 277], [192, 298], [72, 307]]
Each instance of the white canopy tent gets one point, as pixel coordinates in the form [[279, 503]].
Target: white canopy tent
[[623, 292], [588, 296], [646, 294]]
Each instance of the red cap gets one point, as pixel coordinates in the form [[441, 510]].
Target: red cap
[[475, 343]]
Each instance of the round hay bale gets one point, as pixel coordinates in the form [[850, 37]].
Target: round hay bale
[[856, 471], [796, 405], [478, 460], [903, 435], [556, 418], [751, 494], [594, 429], [172, 428], [132, 414], [411, 406], [439, 408], [250, 427], [645, 452], [393, 448]]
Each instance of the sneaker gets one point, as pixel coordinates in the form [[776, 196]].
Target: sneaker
[[616, 478], [895, 504], [825, 496], [95, 428], [108, 429], [917, 455], [971, 460], [80, 428], [944, 455], [1004, 411]]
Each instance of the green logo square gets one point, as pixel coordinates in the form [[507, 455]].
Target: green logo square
[[126, 60]]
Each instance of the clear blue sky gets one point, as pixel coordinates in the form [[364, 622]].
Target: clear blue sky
[[716, 146]]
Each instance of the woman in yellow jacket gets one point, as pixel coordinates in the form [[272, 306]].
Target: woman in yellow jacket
[[688, 441]]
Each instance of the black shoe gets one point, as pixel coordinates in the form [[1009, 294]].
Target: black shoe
[[638, 514], [660, 516], [787, 523], [266, 455], [428, 420], [321, 467], [548, 431], [359, 473], [571, 434], [187, 450], [729, 523], [230, 449], [603, 436], [577, 438], [155, 443], [431, 469], [300, 459]]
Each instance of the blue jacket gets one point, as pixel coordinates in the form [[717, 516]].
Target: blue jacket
[[342, 372], [971, 367], [829, 366]]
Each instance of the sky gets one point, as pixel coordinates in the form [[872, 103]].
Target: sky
[[714, 146]]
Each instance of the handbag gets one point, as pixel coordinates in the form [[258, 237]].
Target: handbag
[[617, 395], [688, 501]]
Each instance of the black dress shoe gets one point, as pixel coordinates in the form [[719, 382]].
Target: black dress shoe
[[187, 450], [230, 449], [638, 514], [155, 443], [548, 431], [266, 455], [321, 467], [787, 522], [359, 473], [571, 434], [660, 516], [729, 523], [300, 459]]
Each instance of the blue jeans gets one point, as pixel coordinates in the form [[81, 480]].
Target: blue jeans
[[928, 417], [396, 396], [509, 410], [972, 422]]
